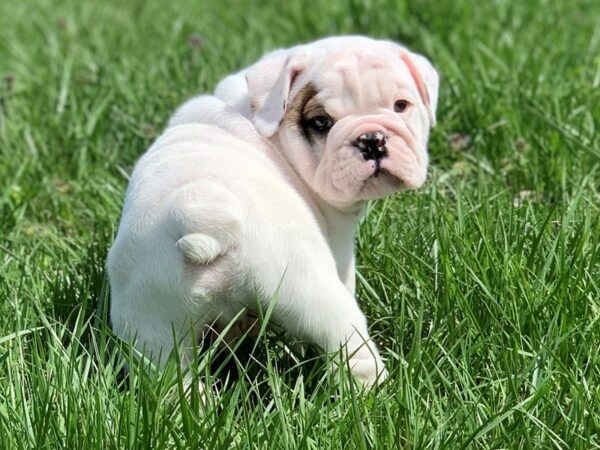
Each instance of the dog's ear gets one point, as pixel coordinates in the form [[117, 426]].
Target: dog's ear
[[426, 78], [270, 82]]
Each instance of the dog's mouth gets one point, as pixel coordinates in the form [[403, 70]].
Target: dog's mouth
[[372, 145], [391, 168], [372, 161], [378, 169], [379, 184], [384, 174], [376, 155]]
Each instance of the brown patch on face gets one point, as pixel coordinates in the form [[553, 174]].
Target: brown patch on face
[[306, 106], [295, 112], [313, 108]]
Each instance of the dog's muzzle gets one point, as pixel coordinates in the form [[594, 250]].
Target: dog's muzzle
[[372, 145]]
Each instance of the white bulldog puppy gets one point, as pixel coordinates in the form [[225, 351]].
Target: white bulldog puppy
[[256, 193]]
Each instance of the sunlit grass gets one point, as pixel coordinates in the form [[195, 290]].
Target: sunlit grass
[[482, 288]]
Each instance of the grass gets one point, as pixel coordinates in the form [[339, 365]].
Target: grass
[[482, 288]]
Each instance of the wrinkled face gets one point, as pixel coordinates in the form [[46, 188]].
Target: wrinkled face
[[355, 125]]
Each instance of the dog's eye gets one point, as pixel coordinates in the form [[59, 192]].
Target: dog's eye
[[401, 106], [320, 123]]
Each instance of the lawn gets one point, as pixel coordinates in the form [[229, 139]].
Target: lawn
[[482, 288]]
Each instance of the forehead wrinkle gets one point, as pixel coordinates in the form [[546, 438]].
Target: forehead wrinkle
[[351, 89], [359, 81], [332, 93], [386, 86], [376, 89]]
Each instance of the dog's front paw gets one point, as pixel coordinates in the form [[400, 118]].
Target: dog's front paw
[[367, 368]]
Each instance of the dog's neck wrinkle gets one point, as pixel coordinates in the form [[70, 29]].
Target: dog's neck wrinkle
[[290, 174], [338, 224]]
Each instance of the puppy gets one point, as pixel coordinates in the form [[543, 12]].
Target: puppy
[[256, 193]]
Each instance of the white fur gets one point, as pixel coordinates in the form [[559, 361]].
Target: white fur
[[217, 213]]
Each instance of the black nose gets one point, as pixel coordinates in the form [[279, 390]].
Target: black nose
[[372, 145]]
